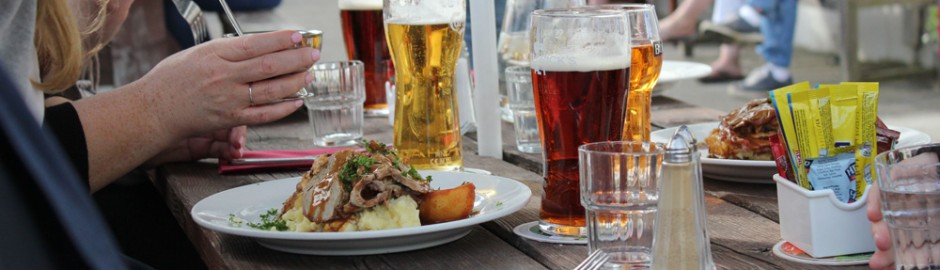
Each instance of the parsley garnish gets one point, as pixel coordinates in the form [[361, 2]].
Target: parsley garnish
[[413, 173], [350, 171], [499, 204], [234, 221], [428, 178], [269, 220]]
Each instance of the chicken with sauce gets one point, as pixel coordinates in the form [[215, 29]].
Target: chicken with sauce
[[356, 191]]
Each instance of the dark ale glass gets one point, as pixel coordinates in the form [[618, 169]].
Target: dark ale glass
[[364, 34], [574, 107]]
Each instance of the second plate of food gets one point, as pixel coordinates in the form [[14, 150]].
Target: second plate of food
[[757, 171]]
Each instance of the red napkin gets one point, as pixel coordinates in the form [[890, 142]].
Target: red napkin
[[225, 167]]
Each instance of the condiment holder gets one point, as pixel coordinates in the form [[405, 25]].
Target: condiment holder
[[816, 222]]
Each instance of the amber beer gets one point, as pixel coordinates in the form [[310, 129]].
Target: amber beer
[[575, 105], [364, 34], [645, 66], [427, 130]]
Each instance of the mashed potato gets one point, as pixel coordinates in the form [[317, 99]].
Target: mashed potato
[[400, 212]]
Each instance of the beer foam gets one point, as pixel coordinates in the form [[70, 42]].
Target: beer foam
[[580, 63], [360, 4], [431, 12]]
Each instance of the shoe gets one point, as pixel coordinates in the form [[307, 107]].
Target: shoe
[[735, 29], [757, 84], [718, 76]]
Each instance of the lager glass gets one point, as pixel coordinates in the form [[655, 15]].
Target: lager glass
[[364, 35], [580, 64], [424, 38], [645, 66]]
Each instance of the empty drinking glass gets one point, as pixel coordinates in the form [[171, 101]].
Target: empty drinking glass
[[334, 103], [522, 104], [620, 194]]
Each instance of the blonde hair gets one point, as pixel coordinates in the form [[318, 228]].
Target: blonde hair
[[58, 43]]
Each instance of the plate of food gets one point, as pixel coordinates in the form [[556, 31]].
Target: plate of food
[[357, 203], [674, 71], [745, 157]]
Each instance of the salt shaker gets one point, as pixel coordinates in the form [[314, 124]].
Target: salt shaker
[[681, 239]]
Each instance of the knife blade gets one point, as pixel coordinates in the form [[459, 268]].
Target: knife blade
[[253, 161]]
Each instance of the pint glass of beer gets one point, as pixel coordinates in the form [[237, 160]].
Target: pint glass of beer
[[646, 63], [580, 64], [364, 34], [424, 38]]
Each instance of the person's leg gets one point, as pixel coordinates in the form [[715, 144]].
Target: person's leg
[[728, 65], [681, 23], [777, 26]]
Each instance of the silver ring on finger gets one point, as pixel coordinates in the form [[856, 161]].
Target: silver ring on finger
[[251, 100]]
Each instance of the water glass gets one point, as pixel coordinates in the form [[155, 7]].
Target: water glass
[[334, 103], [522, 104], [620, 194], [910, 202]]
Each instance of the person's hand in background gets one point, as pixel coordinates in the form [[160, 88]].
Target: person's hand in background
[[221, 144]]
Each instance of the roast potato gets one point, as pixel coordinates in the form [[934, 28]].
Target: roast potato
[[447, 204]]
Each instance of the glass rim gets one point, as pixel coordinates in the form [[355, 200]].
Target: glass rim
[[634, 7], [336, 64], [589, 148], [882, 158], [579, 12]]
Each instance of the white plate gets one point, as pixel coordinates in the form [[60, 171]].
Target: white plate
[[496, 197], [757, 171], [674, 71]]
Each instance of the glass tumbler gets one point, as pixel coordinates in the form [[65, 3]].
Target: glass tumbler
[[522, 104], [334, 103], [620, 192], [910, 202]]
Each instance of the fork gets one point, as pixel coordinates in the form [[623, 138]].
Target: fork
[[192, 14], [594, 261]]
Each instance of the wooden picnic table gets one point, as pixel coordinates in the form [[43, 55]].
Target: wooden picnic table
[[742, 218]]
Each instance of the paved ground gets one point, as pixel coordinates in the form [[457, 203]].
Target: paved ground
[[908, 102]]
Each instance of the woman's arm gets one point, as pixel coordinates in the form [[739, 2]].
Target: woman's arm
[[194, 92]]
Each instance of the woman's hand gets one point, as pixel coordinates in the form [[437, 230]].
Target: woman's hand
[[206, 87], [221, 144], [884, 255]]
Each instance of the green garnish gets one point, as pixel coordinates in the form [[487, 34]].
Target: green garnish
[[269, 220], [234, 221], [350, 172], [413, 173], [428, 178], [499, 204]]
